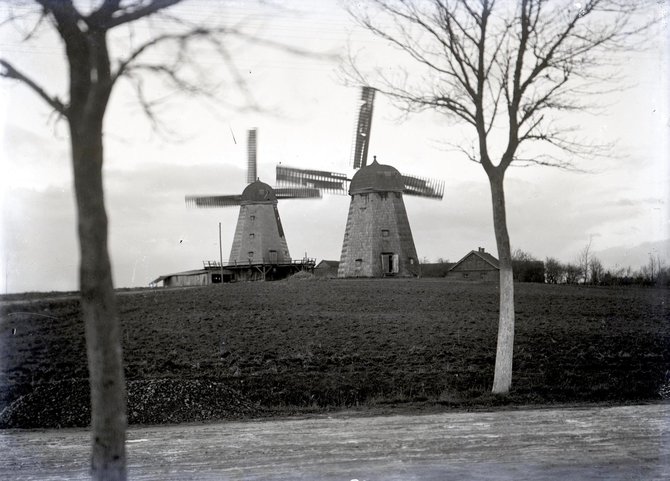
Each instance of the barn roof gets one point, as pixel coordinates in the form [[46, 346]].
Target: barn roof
[[481, 253], [324, 264], [376, 178], [258, 191], [436, 269], [185, 273]]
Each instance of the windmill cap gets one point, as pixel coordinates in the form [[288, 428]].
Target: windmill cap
[[258, 192], [376, 178]]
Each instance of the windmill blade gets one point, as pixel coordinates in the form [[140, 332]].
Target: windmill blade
[[325, 181], [297, 193], [213, 200], [423, 187], [362, 135], [252, 136]]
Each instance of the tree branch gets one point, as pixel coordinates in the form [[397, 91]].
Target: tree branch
[[12, 73], [125, 63], [131, 13]]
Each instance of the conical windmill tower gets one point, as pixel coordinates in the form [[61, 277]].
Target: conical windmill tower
[[259, 245], [378, 240]]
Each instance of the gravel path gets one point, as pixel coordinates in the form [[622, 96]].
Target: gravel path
[[612, 443]]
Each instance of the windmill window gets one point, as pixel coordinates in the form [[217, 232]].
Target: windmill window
[[385, 232], [411, 261], [252, 235], [359, 262], [252, 218], [251, 254]]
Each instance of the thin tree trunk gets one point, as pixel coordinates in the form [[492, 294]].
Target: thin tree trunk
[[108, 403], [502, 379]]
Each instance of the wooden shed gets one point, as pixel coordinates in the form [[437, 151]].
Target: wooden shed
[[327, 269], [213, 273], [198, 277], [476, 265]]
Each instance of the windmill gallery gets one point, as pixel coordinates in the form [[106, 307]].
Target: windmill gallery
[[378, 239]]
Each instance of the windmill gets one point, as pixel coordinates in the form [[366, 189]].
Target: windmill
[[259, 239], [378, 240]]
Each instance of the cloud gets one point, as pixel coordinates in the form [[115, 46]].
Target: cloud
[[627, 202]]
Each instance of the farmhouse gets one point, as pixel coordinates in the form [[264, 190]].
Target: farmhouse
[[477, 265], [326, 269]]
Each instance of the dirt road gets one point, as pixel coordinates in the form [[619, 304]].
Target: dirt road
[[631, 442]]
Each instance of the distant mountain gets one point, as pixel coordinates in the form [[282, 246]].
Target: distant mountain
[[635, 256]]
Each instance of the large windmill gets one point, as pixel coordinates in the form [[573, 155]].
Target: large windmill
[[259, 240], [378, 240]]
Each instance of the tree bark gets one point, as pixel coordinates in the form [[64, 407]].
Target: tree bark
[[502, 379], [103, 338], [90, 87]]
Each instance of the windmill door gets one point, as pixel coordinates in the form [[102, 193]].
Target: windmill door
[[273, 257], [389, 264]]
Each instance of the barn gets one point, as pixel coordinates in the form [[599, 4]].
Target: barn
[[476, 265], [211, 273], [438, 269], [326, 269]]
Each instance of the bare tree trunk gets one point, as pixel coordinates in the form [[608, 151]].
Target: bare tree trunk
[[103, 339], [502, 379]]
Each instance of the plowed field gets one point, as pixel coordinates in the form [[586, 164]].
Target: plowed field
[[256, 349]]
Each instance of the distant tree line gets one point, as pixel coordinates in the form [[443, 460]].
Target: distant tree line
[[587, 269], [654, 273], [526, 268]]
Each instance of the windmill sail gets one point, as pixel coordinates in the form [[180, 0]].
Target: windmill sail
[[362, 140], [213, 200], [325, 181], [251, 155], [297, 193], [423, 187]]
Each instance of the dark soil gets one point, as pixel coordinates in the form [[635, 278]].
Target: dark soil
[[254, 349]]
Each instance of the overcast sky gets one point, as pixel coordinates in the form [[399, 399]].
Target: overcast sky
[[309, 121]]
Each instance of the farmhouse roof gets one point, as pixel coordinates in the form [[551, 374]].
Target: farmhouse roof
[[376, 178], [482, 254], [436, 269], [258, 191], [324, 264]]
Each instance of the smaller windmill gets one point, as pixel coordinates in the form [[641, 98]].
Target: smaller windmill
[[378, 240], [259, 237]]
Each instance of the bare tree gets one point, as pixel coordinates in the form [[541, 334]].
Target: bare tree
[[573, 272], [501, 66], [651, 270], [520, 255], [597, 270], [554, 270], [584, 261], [84, 28]]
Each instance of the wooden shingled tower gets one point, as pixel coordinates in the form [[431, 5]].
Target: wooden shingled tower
[[259, 238], [259, 235], [378, 240]]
